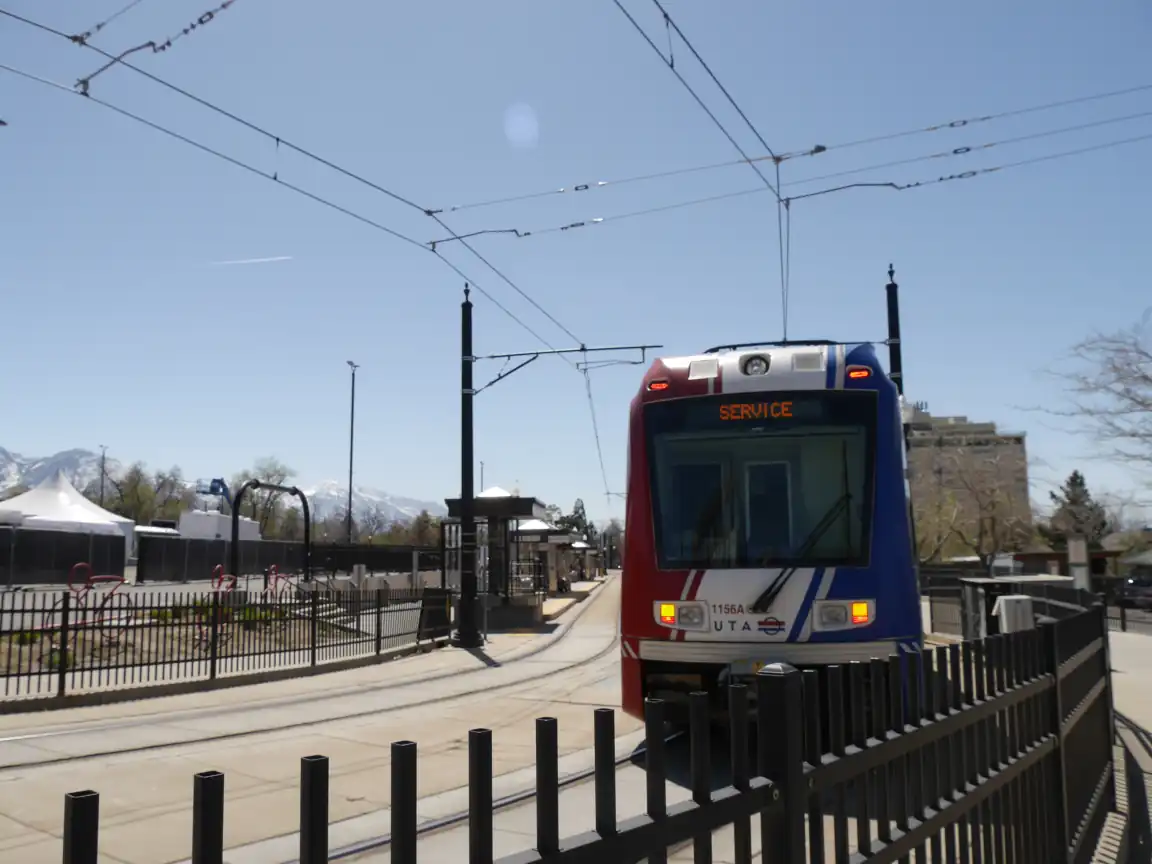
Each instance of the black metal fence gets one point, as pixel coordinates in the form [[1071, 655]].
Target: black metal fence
[[34, 557], [100, 638], [1059, 601], [187, 559], [994, 750]]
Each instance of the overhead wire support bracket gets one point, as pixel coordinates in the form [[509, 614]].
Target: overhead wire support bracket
[[527, 357], [434, 243]]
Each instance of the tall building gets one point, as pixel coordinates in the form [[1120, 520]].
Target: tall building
[[970, 480]]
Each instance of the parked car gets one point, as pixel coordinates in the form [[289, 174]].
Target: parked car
[[1135, 593]]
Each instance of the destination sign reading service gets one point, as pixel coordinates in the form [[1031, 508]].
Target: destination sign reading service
[[756, 411], [766, 410]]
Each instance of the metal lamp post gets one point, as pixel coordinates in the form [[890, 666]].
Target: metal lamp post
[[351, 447], [103, 471]]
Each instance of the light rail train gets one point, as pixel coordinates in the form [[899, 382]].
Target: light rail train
[[767, 518]]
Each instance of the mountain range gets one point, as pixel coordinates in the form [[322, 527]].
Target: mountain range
[[81, 467]]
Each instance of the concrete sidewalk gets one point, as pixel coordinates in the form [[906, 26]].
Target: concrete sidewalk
[[1131, 656]]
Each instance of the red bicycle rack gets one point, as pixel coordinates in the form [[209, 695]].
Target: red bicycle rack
[[219, 577]]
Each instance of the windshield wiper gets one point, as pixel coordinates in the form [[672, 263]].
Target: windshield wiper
[[764, 601]]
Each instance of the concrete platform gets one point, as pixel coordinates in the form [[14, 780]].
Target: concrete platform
[[554, 607]]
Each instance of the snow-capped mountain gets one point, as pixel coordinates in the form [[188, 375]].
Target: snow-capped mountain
[[81, 467], [329, 497]]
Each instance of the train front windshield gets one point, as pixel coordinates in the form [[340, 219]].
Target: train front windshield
[[762, 479]]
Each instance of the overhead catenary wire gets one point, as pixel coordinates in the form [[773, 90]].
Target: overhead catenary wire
[[756, 190], [282, 142], [716, 121], [157, 48], [96, 28], [596, 431], [781, 206], [699, 101], [348, 212], [814, 151], [275, 179]]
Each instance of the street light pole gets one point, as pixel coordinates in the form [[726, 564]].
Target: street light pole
[[103, 472], [468, 634], [351, 446]]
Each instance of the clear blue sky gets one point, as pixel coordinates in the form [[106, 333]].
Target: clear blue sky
[[118, 329]]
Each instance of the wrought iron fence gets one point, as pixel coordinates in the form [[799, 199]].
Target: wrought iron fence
[[995, 750], [1061, 601], [105, 635]]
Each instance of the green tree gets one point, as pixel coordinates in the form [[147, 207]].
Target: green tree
[[577, 521], [424, 530], [1076, 512]]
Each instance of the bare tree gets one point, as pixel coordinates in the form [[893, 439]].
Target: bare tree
[[936, 527], [374, 522], [265, 503], [993, 515], [170, 494], [1111, 393], [1125, 512]]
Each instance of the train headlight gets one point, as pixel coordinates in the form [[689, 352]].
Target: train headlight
[[833, 615], [756, 365], [684, 615], [844, 614], [691, 616]]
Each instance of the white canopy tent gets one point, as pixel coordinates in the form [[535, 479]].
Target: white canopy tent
[[56, 505]]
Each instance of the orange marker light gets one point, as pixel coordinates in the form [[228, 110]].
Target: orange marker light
[[667, 613], [658, 385], [859, 372], [859, 613]]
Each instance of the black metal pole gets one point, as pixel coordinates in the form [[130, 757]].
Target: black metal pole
[[103, 472], [895, 354], [351, 448], [467, 634]]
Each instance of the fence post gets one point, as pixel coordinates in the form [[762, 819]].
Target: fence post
[[214, 636], [208, 818], [655, 770], [479, 796], [1123, 618], [379, 621], [780, 696], [700, 765], [403, 846], [1059, 822], [604, 764], [81, 827], [62, 658], [314, 810], [547, 787], [1102, 618], [314, 622]]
